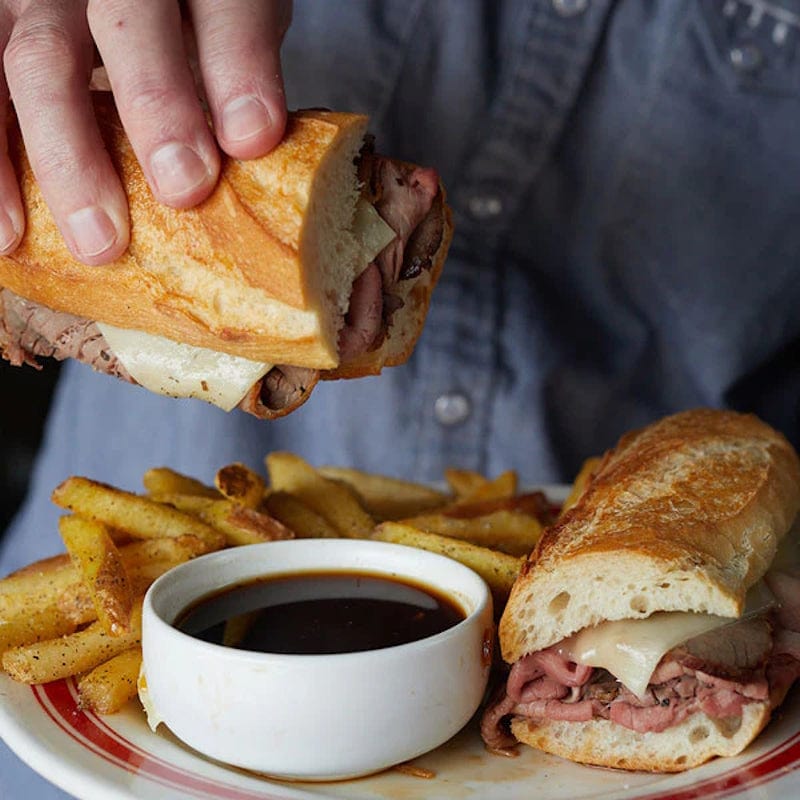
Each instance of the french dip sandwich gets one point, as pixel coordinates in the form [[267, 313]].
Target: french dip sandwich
[[657, 624], [315, 261]]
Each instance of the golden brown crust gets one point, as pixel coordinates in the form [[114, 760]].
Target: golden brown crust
[[603, 743], [239, 241], [683, 515]]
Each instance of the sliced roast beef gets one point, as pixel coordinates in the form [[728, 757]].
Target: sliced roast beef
[[409, 201], [364, 318], [730, 652], [407, 195], [716, 673], [29, 331], [424, 241], [279, 392]]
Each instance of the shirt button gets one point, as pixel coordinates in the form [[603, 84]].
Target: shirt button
[[570, 8], [485, 206], [451, 408], [747, 58]]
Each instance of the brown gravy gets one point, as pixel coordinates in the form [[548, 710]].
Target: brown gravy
[[316, 613]]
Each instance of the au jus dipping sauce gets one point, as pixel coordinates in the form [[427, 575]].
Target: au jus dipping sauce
[[320, 613]]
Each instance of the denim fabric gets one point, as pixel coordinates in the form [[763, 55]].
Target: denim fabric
[[626, 189]]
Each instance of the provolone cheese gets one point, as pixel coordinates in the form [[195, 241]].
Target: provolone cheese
[[630, 649], [371, 230], [181, 370]]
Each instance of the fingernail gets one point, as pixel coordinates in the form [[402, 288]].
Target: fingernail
[[244, 118], [8, 233], [177, 170], [92, 231]]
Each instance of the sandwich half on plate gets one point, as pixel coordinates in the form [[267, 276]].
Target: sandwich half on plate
[[316, 261], [657, 624]]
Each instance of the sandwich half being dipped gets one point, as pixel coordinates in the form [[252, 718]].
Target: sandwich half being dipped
[[316, 261], [657, 624]]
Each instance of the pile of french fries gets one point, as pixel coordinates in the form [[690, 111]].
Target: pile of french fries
[[79, 614]]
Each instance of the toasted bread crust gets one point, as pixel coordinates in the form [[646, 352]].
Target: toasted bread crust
[[683, 515], [227, 274], [603, 743]]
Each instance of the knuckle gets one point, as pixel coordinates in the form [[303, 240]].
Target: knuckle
[[37, 50], [148, 99], [52, 165], [64, 164]]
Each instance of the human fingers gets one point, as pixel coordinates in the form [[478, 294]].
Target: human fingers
[[238, 45], [142, 48], [48, 60], [12, 217]]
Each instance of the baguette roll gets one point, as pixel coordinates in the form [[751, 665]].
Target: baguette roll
[[647, 630], [265, 270]]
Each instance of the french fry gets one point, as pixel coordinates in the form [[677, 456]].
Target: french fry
[[109, 686], [74, 653], [140, 516], [298, 517], [163, 480], [334, 501], [34, 626], [512, 532], [239, 524], [43, 565], [55, 586], [100, 564], [240, 484], [499, 570], [534, 504], [585, 474], [464, 482], [38, 586], [502, 487], [193, 504], [304, 521], [243, 525], [385, 497], [512, 525]]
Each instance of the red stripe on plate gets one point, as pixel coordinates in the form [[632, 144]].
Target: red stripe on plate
[[783, 758], [60, 703]]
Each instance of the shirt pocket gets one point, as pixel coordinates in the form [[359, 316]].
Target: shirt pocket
[[753, 45], [700, 227]]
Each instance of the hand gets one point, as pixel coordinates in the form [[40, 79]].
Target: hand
[[49, 53]]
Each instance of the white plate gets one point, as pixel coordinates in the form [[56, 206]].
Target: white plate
[[118, 758]]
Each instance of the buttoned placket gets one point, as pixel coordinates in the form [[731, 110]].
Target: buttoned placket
[[549, 58]]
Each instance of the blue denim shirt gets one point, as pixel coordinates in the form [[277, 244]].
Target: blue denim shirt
[[625, 178]]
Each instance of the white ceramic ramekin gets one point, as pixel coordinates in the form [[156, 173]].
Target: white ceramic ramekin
[[316, 717]]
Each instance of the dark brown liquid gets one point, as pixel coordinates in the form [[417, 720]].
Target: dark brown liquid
[[320, 613]]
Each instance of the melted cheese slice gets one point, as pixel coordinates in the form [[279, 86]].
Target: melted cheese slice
[[371, 230], [630, 649], [181, 370]]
